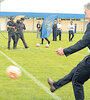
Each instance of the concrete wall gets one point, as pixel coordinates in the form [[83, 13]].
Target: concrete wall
[[31, 24]]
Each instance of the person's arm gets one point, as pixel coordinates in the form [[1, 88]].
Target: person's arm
[[79, 45], [24, 27], [76, 47], [8, 26]]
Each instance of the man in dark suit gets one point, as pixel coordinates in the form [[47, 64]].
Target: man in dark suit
[[54, 31], [81, 73]]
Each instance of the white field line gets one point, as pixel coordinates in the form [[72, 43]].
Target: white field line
[[81, 54], [33, 78]]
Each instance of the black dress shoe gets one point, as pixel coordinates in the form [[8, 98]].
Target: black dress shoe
[[50, 82], [26, 47]]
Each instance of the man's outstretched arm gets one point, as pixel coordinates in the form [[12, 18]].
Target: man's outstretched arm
[[76, 47]]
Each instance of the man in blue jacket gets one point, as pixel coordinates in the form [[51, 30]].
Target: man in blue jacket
[[81, 73]]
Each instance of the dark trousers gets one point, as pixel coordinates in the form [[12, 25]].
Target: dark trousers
[[79, 75], [59, 33], [45, 39], [21, 36], [71, 35], [11, 35], [54, 35]]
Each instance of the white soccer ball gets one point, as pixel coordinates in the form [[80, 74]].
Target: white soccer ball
[[88, 50], [37, 45], [47, 45], [13, 72]]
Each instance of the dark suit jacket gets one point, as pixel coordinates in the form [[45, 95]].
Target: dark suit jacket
[[84, 42]]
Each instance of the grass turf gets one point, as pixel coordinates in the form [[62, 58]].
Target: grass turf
[[41, 63]]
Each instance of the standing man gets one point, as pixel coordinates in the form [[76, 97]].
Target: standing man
[[71, 31], [55, 31], [38, 29], [81, 73], [21, 27], [11, 32], [59, 29]]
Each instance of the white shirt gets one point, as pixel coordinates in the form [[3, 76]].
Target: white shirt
[[59, 26], [71, 27]]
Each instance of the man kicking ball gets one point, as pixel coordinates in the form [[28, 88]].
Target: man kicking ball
[[81, 73]]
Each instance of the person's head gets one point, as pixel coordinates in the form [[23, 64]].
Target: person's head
[[87, 11], [22, 20], [18, 21], [11, 18], [71, 22]]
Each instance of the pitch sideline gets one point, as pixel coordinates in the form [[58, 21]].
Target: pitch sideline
[[32, 77]]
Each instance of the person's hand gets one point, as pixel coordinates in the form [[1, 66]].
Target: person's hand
[[60, 52], [13, 27]]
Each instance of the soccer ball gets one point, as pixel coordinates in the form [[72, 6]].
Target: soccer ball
[[13, 72], [47, 45], [37, 45]]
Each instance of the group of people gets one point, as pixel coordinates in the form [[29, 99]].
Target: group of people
[[57, 30], [15, 31]]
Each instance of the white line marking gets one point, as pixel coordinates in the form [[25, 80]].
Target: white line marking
[[81, 54], [33, 78]]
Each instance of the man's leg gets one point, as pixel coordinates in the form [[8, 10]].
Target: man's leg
[[17, 38], [9, 39], [23, 40], [65, 80], [69, 35], [53, 37], [72, 35], [14, 40], [47, 40], [42, 40], [60, 35], [61, 82], [81, 75], [57, 32]]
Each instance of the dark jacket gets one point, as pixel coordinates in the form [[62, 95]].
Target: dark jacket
[[84, 42], [10, 23], [54, 28]]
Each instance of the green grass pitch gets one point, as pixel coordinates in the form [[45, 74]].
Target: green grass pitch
[[41, 63]]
